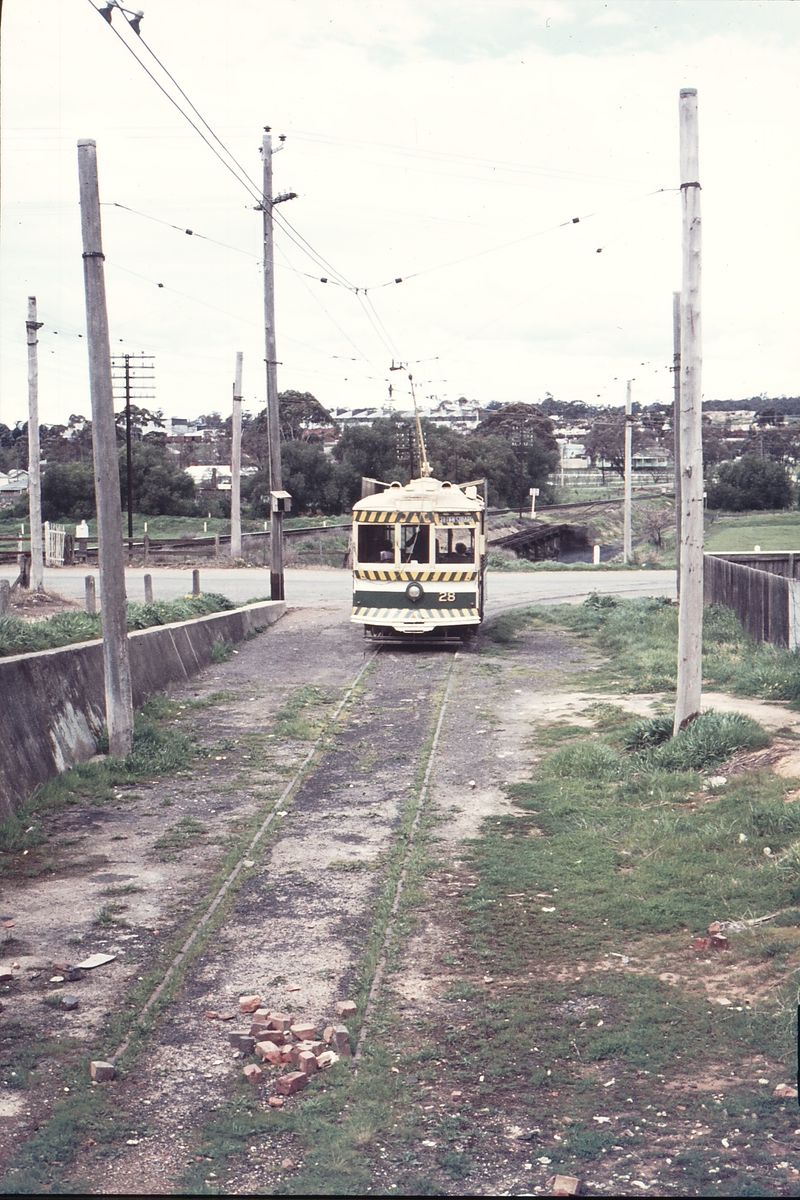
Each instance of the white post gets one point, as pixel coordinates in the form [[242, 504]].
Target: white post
[[236, 462], [676, 429], [690, 623], [116, 663], [34, 479], [596, 556], [534, 492], [627, 542]]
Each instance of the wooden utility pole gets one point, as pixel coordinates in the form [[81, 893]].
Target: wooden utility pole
[[690, 623], [676, 429], [236, 462], [273, 418], [116, 663], [34, 477], [627, 541], [129, 451]]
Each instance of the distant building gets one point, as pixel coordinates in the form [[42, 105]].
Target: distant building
[[13, 484]]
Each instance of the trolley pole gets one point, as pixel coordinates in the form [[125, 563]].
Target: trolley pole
[[627, 541], [116, 663], [690, 621], [34, 475], [273, 418], [236, 462]]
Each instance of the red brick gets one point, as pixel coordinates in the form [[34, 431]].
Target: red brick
[[341, 1040], [566, 1185], [345, 1008], [287, 1085], [714, 927], [303, 1031], [702, 943], [101, 1071], [266, 1033], [253, 1073], [268, 1052], [275, 1102], [307, 1062], [249, 1004], [279, 1021], [286, 1054], [719, 942], [242, 1041]]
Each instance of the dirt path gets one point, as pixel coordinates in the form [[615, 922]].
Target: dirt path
[[297, 925]]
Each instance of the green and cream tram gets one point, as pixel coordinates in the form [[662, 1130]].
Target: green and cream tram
[[418, 560]]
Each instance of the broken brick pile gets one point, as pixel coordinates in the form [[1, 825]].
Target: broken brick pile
[[279, 1040], [715, 941]]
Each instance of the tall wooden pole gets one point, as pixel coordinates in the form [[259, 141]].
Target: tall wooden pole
[[690, 624], [273, 418], [676, 429], [129, 450], [627, 540], [34, 477], [119, 702], [236, 462]]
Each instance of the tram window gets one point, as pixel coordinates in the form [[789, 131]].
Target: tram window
[[455, 545], [415, 543], [376, 543]]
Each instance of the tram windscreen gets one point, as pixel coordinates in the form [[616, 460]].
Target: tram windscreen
[[375, 543], [415, 542], [455, 545]]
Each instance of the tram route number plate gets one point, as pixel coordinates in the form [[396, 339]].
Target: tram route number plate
[[446, 597]]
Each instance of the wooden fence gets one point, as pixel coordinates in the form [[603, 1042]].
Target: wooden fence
[[762, 589]]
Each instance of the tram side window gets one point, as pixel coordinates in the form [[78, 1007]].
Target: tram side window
[[455, 545], [376, 543], [415, 543]]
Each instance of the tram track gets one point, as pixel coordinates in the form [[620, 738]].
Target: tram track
[[216, 900]]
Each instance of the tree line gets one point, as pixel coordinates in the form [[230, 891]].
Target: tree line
[[513, 448]]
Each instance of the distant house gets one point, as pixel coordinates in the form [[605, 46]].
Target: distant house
[[13, 484]]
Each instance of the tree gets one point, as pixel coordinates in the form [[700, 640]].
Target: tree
[[518, 423], [749, 483], [159, 485], [67, 492], [301, 416], [140, 419], [655, 521]]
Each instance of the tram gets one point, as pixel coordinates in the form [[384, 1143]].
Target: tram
[[419, 560]]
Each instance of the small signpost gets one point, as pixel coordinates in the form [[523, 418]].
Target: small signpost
[[534, 492]]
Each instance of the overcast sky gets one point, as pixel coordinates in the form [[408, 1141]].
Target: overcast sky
[[445, 142]]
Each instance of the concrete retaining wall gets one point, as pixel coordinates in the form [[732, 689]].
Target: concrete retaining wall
[[52, 703]]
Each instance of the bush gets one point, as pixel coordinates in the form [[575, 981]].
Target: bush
[[749, 483]]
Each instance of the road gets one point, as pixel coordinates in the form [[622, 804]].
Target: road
[[310, 588]]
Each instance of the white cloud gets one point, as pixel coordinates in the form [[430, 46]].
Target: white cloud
[[408, 150]]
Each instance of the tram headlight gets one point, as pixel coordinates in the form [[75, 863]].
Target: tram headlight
[[414, 592]]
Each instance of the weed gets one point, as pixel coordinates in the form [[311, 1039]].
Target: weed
[[122, 889], [349, 864], [222, 651], [109, 914], [185, 833]]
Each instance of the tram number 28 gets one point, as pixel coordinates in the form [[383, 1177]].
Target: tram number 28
[[446, 597]]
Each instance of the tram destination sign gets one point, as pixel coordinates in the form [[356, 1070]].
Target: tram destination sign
[[415, 518]]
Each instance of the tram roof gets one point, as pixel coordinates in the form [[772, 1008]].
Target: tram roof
[[429, 494]]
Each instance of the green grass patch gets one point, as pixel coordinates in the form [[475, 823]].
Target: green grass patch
[[66, 628], [304, 714], [183, 835]]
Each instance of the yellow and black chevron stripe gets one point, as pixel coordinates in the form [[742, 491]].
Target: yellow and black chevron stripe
[[393, 615], [414, 518], [395, 575]]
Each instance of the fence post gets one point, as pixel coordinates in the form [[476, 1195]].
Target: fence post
[[146, 548], [5, 597], [91, 597], [148, 589], [195, 583]]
